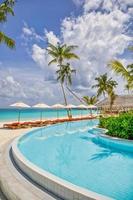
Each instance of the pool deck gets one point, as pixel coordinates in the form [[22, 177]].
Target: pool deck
[[14, 185]]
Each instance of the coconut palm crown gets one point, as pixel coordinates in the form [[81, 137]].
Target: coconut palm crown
[[64, 74], [104, 85], [125, 72], [61, 52], [90, 100], [6, 8]]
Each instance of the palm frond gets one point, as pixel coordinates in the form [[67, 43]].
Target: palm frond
[[119, 68], [70, 56], [52, 61], [8, 41], [52, 47]]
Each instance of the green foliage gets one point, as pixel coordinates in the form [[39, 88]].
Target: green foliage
[[125, 71], [121, 126], [64, 74], [104, 85], [6, 8], [61, 52], [90, 100]]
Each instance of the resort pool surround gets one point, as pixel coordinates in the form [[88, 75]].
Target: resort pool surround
[[74, 158]]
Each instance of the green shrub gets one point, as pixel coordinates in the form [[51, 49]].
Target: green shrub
[[121, 126]]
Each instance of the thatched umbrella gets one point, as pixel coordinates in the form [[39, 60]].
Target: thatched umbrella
[[82, 106], [57, 107], [92, 107], [19, 105], [70, 106], [42, 106]]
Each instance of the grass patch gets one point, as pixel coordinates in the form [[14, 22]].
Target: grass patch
[[121, 126]]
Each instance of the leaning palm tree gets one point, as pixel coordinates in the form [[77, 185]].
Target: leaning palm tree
[[64, 75], [59, 54], [90, 100], [125, 72], [6, 8], [104, 84]]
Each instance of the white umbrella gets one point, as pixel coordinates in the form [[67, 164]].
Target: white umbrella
[[58, 106], [92, 107], [70, 106], [82, 106], [19, 105], [41, 105]]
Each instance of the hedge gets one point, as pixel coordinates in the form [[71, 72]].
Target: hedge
[[121, 126]]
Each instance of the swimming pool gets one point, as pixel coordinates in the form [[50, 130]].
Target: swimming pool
[[75, 152]]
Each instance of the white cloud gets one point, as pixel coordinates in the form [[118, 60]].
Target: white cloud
[[100, 36], [9, 87], [51, 37], [29, 34]]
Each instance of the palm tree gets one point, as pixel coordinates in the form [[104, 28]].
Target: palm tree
[[64, 75], [112, 97], [59, 54], [6, 8], [90, 100], [104, 85], [125, 72]]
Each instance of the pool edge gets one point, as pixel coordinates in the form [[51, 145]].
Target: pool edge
[[54, 184]]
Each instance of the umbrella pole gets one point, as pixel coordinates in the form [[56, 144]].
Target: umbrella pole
[[57, 114], [91, 111], [41, 116], [19, 116]]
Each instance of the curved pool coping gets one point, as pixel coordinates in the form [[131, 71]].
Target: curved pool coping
[[122, 144], [52, 183]]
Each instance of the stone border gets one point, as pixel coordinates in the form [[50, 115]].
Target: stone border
[[50, 182], [14, 185], [124, 144]]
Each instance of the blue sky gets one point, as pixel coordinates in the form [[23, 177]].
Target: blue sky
[[38, 14], [97, 27]]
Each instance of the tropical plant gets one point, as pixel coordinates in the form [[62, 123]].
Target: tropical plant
[[121, 126], [125, 72], [90, 100], [59, 54], [6, 8], [104, 85], [64, 74]]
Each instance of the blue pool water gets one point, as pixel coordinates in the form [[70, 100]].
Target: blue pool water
[[8, 114], [74, 152]]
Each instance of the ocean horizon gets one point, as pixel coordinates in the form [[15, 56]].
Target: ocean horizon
[[11, 114]]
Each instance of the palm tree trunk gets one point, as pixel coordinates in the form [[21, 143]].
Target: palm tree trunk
[[65, 99], [75, 95], [63, 91]]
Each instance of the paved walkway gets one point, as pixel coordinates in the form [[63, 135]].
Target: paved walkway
[[2, 196], [5, 136], [20, 188]]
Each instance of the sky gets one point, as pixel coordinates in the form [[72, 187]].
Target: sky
[[102, 30]]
